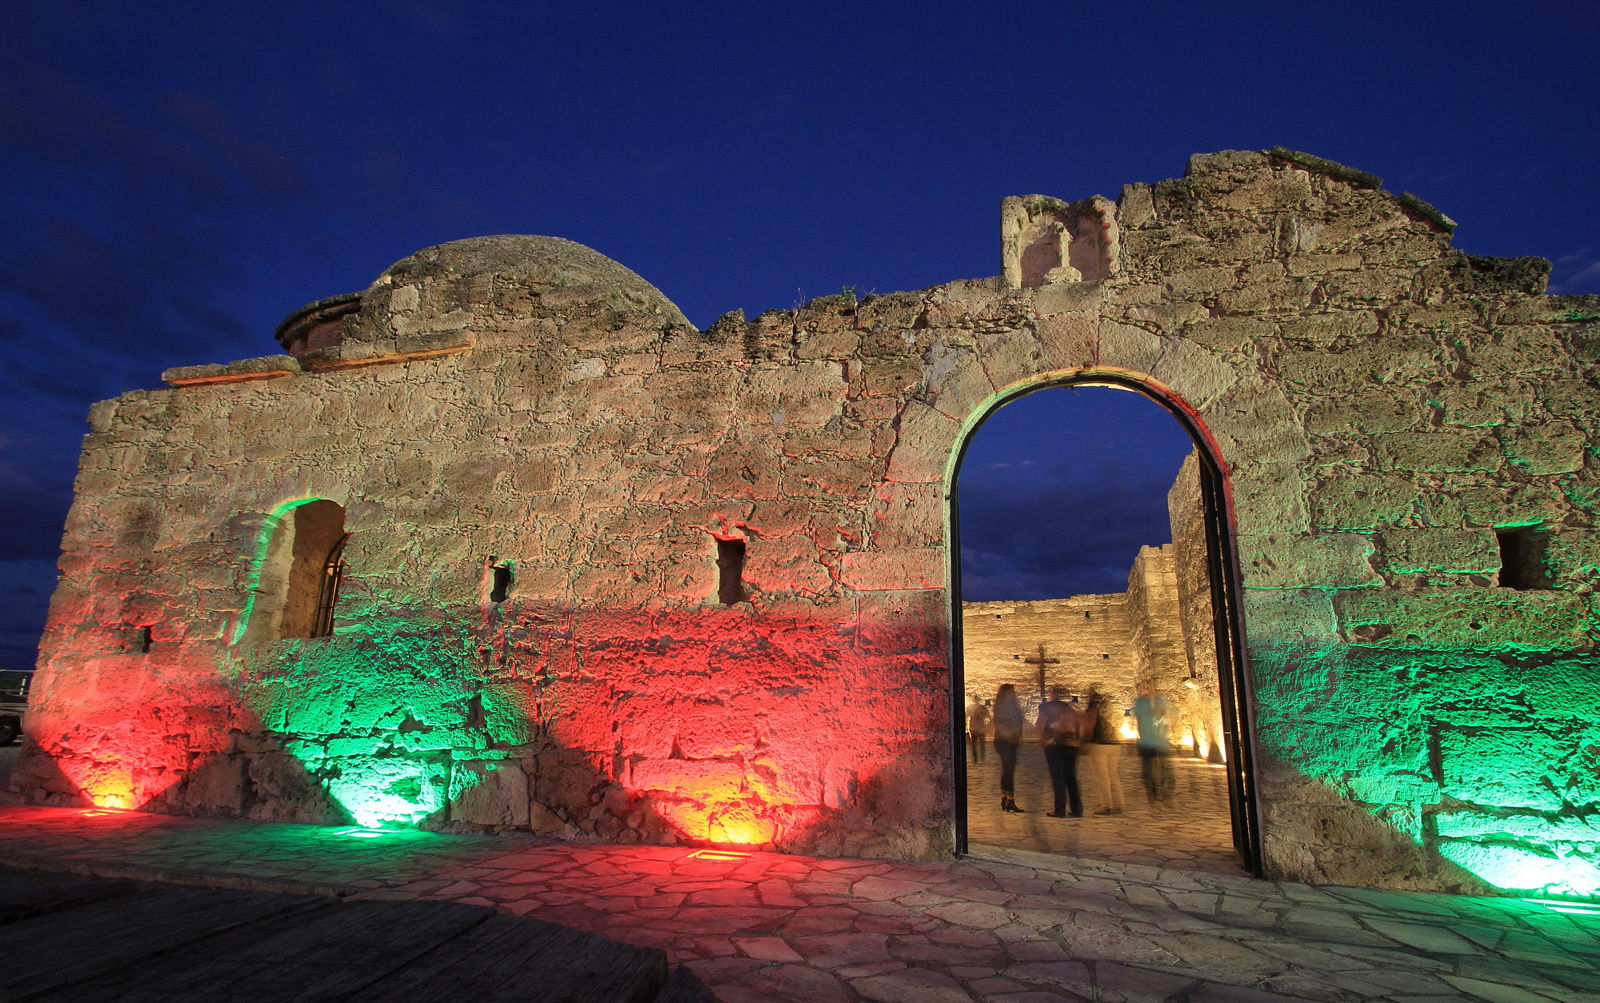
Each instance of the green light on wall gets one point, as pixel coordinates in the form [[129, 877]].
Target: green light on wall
[[1516, 868], [380, 714], [1488, 758], [380, 791]]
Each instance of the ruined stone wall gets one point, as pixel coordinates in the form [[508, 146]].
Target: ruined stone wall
[[1158, 636], [1396, 403], [1186, 515], [483, 414], [1156, 624], [1089, 637], [1392, 416]]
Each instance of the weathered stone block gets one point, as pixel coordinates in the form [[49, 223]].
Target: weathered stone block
[[1497, 767], [1011, 357], [490, 793], [1288, 616], [953, 383], [1254, 418], [1228, 334], [923, 446], [893, 570], [907, 515], [1124, 346], [1269, 497], [1362, 501], [1512, 504], [1366, 411], [1488, 619], [1463, 551], [1573, 555], [1553, 447], [1438, 451], [1323, 561]]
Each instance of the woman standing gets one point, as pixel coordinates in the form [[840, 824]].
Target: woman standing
[[1104, 752], [1007, 736]]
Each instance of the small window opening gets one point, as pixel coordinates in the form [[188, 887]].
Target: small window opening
[[730, 571], [1104, 655], [1522, 557], [301, 569], [135, 638], [502, 582]]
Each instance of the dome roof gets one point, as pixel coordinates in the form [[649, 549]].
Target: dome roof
[[539, 264]]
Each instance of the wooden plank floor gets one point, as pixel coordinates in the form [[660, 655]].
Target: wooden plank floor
[[83, 939]]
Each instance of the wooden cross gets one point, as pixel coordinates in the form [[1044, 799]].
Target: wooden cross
[[1042, 661]]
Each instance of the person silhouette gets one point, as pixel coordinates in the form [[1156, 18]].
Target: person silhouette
[[1007, 736], [1150, 711], [977, 728], [1060, 730], [1104, 750]]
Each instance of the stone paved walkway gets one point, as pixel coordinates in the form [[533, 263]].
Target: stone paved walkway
[[1010, 924], [1190, 830]]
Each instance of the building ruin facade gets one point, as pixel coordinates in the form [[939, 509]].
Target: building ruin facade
[[503, 541]]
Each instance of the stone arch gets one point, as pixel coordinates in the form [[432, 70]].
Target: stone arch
[[1223, 574], [298, 572]]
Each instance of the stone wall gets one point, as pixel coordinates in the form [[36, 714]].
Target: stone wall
[[1156, 622], [1201, 694], [1090, 638], [1391, 416]]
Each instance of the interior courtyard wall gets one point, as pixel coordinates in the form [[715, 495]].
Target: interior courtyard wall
[[1155, 618], [1088, 640], [1186, 517], [1381, 405]]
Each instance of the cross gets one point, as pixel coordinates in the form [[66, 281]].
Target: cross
[[1042, 661]]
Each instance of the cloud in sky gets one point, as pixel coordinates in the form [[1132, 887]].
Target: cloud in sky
[[1576, 273]]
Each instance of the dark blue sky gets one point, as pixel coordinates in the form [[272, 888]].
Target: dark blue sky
[[178, 177], [1059, 489]]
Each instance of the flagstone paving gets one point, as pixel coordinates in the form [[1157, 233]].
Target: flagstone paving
[[1001, 924], [1191, 829]]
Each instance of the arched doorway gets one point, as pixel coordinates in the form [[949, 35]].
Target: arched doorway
[[1208, 601]]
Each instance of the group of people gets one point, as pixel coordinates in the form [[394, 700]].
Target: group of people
[[1065, 733]]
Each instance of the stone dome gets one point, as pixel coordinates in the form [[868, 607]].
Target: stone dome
[[539, 264]]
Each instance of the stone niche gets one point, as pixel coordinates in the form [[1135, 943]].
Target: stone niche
[[609, 576]]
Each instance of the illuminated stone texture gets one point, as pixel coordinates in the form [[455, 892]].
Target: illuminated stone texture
[[1381, 405]]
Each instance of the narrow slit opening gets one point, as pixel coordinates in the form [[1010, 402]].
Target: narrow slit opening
[[730, 571]]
